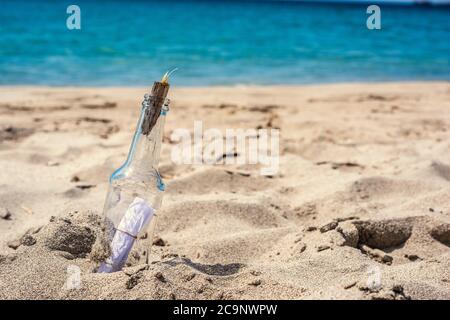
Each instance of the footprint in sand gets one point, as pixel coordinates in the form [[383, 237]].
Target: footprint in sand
[[216, 180], [384, 188], [218, 213]]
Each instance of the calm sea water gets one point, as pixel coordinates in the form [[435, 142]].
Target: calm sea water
[[219, 42]]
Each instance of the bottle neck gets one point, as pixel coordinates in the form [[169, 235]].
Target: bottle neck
[[146, 147]]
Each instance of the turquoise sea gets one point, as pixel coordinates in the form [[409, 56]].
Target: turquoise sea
[[219, 42]]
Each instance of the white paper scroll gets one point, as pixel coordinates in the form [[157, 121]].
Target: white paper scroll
[[138, 215]]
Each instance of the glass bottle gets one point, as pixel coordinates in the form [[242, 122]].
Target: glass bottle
[[136, 189]]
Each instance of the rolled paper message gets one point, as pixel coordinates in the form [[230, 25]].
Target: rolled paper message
[[137, 216]]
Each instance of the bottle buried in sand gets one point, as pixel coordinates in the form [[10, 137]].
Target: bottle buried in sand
[[136, 188]]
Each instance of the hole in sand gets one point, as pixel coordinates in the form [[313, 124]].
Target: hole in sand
[[11, 133], [68, 237], [441, 233], [383, 234], [210, 269], [441, 169]]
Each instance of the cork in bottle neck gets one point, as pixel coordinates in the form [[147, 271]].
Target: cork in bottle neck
[[156, 102]]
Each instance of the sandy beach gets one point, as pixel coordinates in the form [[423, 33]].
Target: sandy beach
[[360, 207]]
